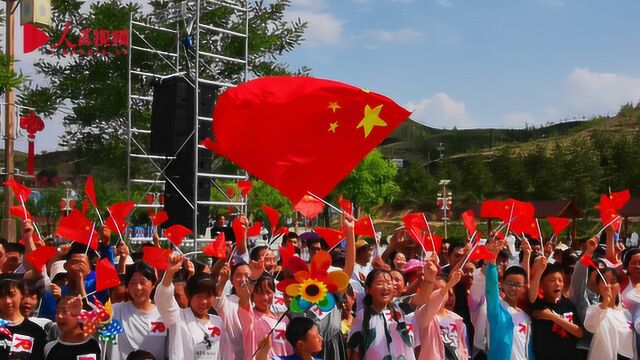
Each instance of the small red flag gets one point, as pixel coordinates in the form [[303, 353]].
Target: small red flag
[[281, 230], [176, 234], [118, 213], [309, 206], [558, 224], [415, 220], [18, 211], [481, 253], [619, 199], [254, 230], [90, 191], [491, 209], [159, 218], [41, 255], [286, 252], [428, 244], [156, 257], [346, 205], [238, 229], [217, 247], [469, 221], [19, 190], [273, 216], [587, 260], [230, 192], [245, 187], [106, 275], [364, 227], [331, 237], [336, 121], [608, 213], [76, 227]]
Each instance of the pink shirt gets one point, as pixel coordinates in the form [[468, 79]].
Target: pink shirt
[[255, 326]]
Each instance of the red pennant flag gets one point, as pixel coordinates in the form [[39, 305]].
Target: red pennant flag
[[608, 213], [429, 245], [336, 121], [481, 253], [159, 218], [19, 190], [245, 187], [286, 252], [230, 192], [273, 216], [309, 207], [118, 213], [156, 257], [619, 199], [85, 206], [331, 237], [106, 275], [238, 229], [281, 230], [364, 227], [41, 255], [18, 211], [90, 191], [469, 221], [176, 234], [254, 230], [217, 247], [76, 227], [558, 224], [586, 261], [346, 205]]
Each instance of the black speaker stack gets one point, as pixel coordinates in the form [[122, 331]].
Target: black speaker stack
[[172, 123]]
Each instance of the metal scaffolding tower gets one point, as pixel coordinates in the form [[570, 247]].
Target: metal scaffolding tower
[[187, 40]]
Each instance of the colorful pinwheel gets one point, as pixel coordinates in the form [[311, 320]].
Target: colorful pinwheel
[[313, 285], [109, 332]]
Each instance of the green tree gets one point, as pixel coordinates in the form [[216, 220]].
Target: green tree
[[371, 183], [417, 188]]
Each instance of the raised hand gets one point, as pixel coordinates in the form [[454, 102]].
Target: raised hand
[[539, 265], [525, 247], [454, 278], [605, 297], [175, 263], [257, 269], [592, 244], [430, 270]]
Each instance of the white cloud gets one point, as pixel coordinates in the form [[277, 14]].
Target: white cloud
[[444, 3], [323, 27], [600, 93], [517, 120], [441, 110], [402, 35]]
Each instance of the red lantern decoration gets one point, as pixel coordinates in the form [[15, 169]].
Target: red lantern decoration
[[32, 123]]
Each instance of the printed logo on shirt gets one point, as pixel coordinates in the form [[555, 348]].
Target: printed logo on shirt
[[21, 343], [278, 298], [279, 336], [522, 328], [214, 331], [319, 313], [157, 328], [86, 357], [389, 316], [568, 316]]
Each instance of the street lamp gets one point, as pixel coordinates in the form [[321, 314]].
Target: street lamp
[[445, 200]]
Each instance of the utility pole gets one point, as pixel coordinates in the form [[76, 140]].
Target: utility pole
[[8, 225]]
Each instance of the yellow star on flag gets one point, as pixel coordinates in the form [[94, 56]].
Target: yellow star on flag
[[334, 106], [333, 126], [371, 119]]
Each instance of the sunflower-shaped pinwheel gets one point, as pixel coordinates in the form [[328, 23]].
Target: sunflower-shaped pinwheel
[[313, 285]]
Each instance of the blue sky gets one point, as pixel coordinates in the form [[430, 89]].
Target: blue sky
[[470, 63], [464, 63]]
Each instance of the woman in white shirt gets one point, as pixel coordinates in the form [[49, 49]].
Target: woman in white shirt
[[609, 322], [143, 326]]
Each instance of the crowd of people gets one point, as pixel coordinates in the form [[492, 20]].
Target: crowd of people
[[539, 302]]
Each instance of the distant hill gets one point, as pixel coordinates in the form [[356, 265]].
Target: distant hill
[[413, 141]]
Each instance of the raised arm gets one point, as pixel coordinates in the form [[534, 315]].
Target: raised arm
[[164, 299], [350, 251], [538, 268], [426, 289], [579, 281], [241, 244], [29, 245]]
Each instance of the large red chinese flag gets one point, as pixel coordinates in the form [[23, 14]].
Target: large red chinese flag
[[301, 133], [41, 255], [90, 191], [106, 275]]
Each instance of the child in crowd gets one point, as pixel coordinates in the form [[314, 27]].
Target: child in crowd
[[28, 339], [72, 343], [193, 332]]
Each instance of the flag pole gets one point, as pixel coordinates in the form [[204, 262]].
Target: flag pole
[[93, 227], [271, 331], [326, 202], [26, 216], [472, 249], [510, 218], [433, 244], [609, 224]]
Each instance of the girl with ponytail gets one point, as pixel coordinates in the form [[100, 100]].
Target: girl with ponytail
[[380, 329]]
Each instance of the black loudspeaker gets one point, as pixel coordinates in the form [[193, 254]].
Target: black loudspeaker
[[172, 119], [172, 114]]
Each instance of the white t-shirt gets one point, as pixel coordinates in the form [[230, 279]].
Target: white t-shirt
[[449, 333], [612, 333], [521, 332], [189, 337], [142, 330], [227, 307]]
